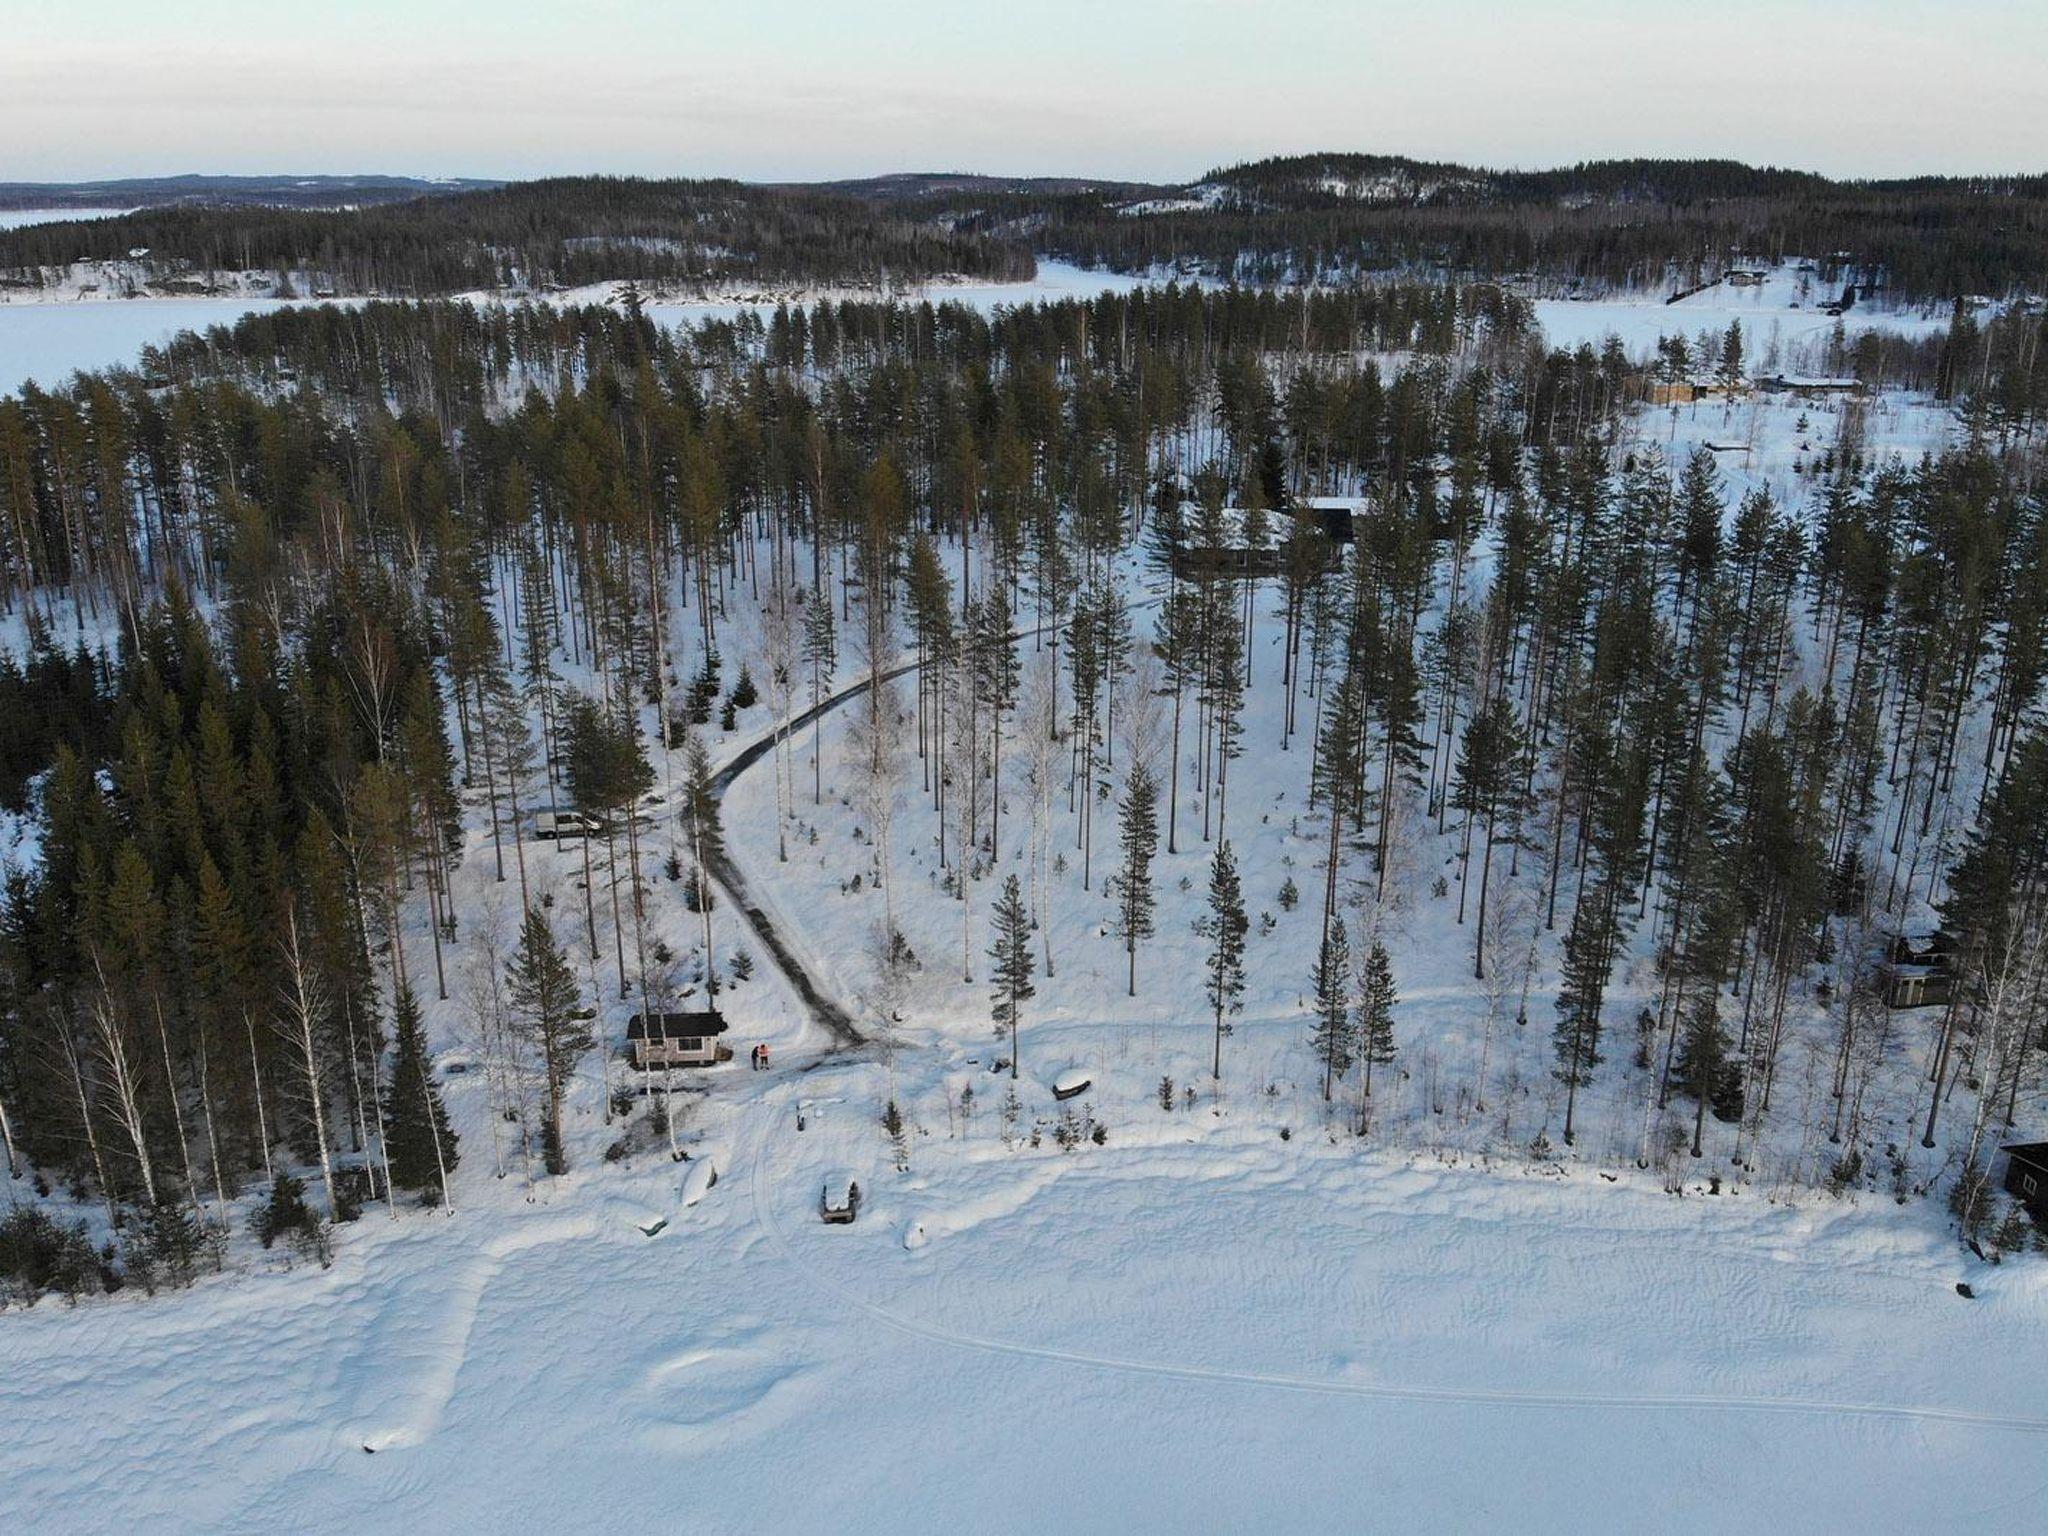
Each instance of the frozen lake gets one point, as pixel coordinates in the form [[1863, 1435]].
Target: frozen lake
[[21, 218], [50, 342]]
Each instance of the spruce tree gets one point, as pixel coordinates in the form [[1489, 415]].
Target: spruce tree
[[418, 1143], [1224, 925], [1376, 1012], [1010, 973], [1576, 1038], [1335, 1036], [1703, 1069], [545, 1003], [1139, 835]]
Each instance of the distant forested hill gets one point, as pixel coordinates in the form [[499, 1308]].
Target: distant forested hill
[[1610, 222], [251, 191], [1327, 217], [565, 230]]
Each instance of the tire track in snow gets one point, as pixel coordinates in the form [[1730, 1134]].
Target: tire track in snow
[[833, 1291]]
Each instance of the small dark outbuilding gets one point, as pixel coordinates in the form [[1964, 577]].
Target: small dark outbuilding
[[2026, 1177]]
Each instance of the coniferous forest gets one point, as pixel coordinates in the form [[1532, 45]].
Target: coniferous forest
[[299, 598]]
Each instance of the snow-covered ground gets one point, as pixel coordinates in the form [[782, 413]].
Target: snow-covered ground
[[1174, 1332], [1226, 1314], [1786, 310]]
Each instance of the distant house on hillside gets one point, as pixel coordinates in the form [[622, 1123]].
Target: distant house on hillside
[[1681, 391], [1745, 277], [1332, 514], [1811, 386], [677, 1040], [2026, 1177], [1919, 969]]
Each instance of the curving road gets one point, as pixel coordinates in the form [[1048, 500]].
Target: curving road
[[831, 1014]]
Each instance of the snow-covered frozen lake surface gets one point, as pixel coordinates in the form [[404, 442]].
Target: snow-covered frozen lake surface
[[21, 218], [48, 341], [1172, 1333]]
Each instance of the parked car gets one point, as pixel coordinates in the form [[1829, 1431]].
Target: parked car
[[557, 825], [839, 1200]]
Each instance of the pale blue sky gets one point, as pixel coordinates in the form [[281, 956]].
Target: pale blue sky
[[1141, 88]]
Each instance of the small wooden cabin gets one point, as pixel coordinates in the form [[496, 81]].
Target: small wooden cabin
[[2026, 1177], [1192, 561], [1681, 391], [1919, 969], [677, 1040]]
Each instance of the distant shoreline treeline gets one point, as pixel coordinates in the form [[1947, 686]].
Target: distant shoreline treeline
[[1639, 223]]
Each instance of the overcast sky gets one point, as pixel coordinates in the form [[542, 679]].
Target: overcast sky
[[1147, 89]]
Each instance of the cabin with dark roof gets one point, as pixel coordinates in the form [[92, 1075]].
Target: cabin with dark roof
[[1919, 969], [2026, 1177], [677, 1040]]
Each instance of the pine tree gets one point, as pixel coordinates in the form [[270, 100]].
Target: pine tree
[[1139, 835], [1336, 1039], [545, 1003], [1010, 974], [1224, 925], [418, 1143]]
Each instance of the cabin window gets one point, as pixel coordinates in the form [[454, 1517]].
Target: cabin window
[[2026, 1184]]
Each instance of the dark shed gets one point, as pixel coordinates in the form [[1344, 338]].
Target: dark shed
[[2026, 1177]]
